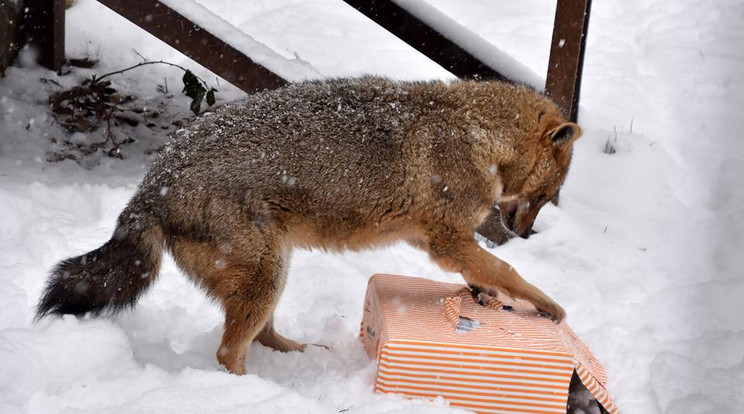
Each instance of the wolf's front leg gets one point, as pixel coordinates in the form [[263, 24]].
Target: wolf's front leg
[[460, 253]]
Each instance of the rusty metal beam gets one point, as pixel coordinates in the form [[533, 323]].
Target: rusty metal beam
[[570, 27], [425, 39], [197, 43], [46, 31]]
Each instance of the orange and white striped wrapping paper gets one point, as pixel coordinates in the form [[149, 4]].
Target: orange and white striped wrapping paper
[[434, 339]]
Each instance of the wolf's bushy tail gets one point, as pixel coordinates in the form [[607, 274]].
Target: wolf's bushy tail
[[110, 278]]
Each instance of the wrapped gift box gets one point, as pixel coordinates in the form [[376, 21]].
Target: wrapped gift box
[[481, 353]]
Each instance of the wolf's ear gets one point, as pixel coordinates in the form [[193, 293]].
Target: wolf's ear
[[564, 134]]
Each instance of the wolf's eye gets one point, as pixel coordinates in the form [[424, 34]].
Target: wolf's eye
[[541, 114]]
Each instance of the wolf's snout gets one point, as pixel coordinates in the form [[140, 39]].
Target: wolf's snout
[[527, 233], [521, 231]]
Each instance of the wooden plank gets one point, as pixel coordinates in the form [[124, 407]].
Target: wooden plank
[[425, 39], [46, 28], [197, 43], [493, 230], [563, 83]]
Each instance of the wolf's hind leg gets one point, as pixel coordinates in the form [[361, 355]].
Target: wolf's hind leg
[[248, 288], [460, 253], [271, 338]]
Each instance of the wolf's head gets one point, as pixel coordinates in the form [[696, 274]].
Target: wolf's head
[[536, 174]]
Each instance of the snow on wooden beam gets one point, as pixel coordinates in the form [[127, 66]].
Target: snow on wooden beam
[[214, 43], [424, 38]]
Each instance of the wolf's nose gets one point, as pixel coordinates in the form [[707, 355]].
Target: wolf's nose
[[527, 233]]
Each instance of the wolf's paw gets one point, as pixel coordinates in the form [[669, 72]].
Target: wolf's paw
[[233, 361], [287, 345], [483, 295], [545, 306], [551, 310]]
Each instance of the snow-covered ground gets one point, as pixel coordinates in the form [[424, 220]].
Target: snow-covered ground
[[644, 251]]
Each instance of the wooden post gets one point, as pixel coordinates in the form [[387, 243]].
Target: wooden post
[[563, 83], [46, 29], [11, 13], [197, 43]]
